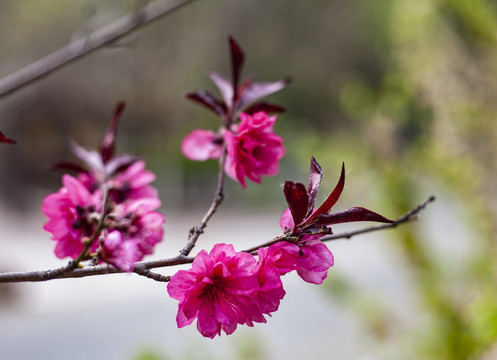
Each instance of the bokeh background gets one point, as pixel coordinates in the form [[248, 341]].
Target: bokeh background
[[404, 92]]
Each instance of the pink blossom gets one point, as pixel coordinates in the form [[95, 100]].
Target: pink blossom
[[253, 148], [69, 216], [314, 259], [134, 231], [314, 262], [201, 145], [132, 183], [274, 261], [119, 251], [270, 288], [282, 256], [220, 291]]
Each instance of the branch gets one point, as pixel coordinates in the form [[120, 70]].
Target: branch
[[143, 267], [407, 217], [411, 215], [84, 46], [196, 231]]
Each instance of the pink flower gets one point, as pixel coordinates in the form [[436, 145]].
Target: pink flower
[[301, 219], [134, 232], [274, 261], [132, 183], [254, 149], [282, 256], [69, 216], [314, 261], [314, 258], [201, 145], [119, 251], [270, 288], [220, 291]]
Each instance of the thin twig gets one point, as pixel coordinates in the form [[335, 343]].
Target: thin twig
[[143, 268], [411, 215], [196, 231], [86, 45]]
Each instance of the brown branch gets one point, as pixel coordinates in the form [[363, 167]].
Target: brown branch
[[411, 215], [196, 231], [143, 268], [84, 46], [407, 217]]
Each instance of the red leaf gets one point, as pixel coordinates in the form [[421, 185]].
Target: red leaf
[[350, 215], [91, 158], [237, 60], [264, 106], [208, 100], [296, 197], [257, 90], [108, 144], [224, 86], [69, 166], [333, 198], [315, 175], [5, 139], [119, 163]]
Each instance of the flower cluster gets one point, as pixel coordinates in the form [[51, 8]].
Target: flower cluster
[[108, 210], [225, 288], [253, 149]]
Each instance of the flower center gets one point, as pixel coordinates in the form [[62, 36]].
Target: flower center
[[82, 220], [214, 288]]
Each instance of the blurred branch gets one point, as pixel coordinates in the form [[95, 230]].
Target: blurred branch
[[143, 268], [407, 217], [86, 45], [196, 231], [411, 215]]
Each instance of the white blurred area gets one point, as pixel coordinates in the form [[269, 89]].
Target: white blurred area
[[117, 316]]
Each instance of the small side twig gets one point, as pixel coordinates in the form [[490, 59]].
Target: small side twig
[[196, 231], [411, 215]]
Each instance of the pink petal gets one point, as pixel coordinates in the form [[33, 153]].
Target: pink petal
[[201, 145]]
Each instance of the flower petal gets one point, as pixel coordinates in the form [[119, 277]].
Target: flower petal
[[201, 145]]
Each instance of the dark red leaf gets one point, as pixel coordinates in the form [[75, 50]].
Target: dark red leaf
[[350, 215], [241, 88], [257, 90], [296, 197], [119, 163], [5, 139], [208, 100], [237, 60], [69, 166], [108, 144], [224, 86], [264, 106], [315, 175], [91, 158], [333, 198]]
